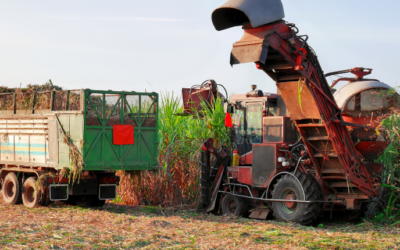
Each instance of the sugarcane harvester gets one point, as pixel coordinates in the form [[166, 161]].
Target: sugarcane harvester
[[303, 150]]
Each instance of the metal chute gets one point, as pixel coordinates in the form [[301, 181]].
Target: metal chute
[[239, 12]]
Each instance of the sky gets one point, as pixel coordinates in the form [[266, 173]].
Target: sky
[[164, 46]]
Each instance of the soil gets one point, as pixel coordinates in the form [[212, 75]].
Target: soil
[[124, 227]]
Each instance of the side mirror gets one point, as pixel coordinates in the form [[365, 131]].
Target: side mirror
[[228, 108]]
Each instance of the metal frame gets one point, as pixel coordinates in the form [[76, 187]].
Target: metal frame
[[59, 185], [108, 185], [266, 191], [274, 200], [120, 163]]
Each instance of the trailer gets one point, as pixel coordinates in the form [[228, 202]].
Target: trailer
[[59, 145]]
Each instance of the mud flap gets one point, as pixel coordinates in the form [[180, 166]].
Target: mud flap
[[260, 213], [215, 188]]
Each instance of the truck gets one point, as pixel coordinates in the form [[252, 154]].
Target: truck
[[66, 145], [303, 150]]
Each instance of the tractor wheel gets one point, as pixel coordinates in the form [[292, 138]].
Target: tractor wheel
[[233, 206], [290, 188], [12, 189], [30, 197]]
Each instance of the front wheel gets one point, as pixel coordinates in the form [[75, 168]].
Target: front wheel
[[299, 187], [233, 206]]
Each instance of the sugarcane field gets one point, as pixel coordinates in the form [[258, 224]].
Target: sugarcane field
[[232, 124]]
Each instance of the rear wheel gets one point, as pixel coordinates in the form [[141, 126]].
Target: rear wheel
[[12, 189], [30, 197], [233, 206], [289, 188]]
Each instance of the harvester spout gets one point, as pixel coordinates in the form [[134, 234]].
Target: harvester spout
[[254, 12]]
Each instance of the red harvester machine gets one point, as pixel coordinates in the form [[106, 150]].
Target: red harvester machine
[[303, 150]]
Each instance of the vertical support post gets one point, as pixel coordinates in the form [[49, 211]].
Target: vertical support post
[[33, 102], [205, 175], [15, 103], [67, 101], [52, 93]]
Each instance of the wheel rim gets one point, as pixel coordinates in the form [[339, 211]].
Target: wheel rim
[[231, 206], [288, 207], [30, 194], [10, 189]]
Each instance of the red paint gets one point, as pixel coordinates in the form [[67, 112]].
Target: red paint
[[108, 180], [299, 53], [360, 72], [290, 203], [228, 120], [123, 134], [245, 175], [372, 149]]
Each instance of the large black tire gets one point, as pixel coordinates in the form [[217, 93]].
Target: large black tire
[[30, 197], [233, 206], [289, 187], [45, 197], [12, 189]]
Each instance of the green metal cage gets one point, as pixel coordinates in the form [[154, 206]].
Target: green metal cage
[[102, 110]]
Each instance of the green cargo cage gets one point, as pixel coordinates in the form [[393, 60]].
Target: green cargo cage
[[103, 109]]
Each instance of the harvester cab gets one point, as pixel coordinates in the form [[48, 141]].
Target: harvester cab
[[257, 121]]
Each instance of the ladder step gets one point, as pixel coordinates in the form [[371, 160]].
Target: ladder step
[[332, 171], [318, 138], [329, 155], [341, 184], [310, 125]]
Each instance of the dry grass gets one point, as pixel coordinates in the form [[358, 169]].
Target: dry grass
[[125, 227]]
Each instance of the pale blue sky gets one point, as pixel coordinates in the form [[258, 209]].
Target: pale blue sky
[[159, 45]]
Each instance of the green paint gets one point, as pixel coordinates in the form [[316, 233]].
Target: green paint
[[102, 109]]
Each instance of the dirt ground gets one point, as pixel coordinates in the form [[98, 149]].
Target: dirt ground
[[125, 227]]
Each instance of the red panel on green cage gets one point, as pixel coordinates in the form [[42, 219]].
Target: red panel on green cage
[[123, 135]]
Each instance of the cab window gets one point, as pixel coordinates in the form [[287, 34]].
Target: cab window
[[254, 123], [238, 123]]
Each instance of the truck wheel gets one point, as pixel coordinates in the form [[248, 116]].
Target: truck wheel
[[233, 206], [290, 188], [12, 189], [30, 197]]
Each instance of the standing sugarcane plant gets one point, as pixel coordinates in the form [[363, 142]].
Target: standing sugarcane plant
[[386, 207], [177, 180]]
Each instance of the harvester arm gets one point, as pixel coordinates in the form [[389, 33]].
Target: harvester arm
[[288, 59]]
